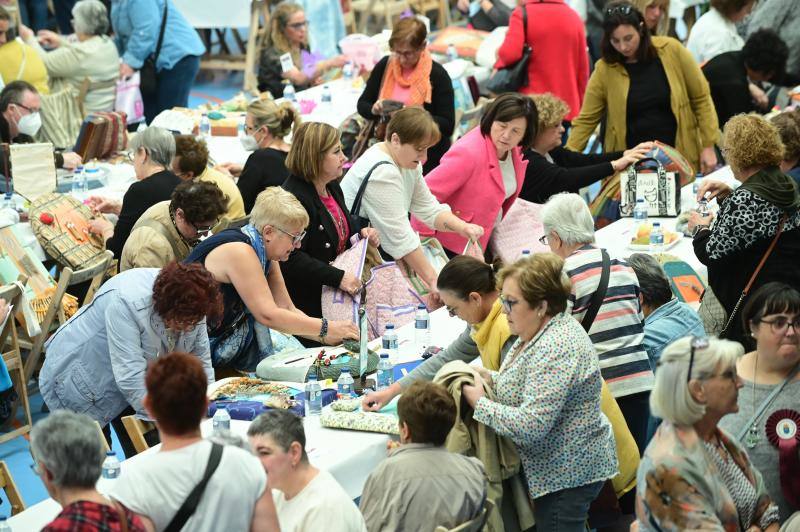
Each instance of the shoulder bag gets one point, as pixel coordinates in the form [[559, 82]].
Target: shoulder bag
[[357, 222], [512, 77], [189, 506], [148, 79], [599, 294]]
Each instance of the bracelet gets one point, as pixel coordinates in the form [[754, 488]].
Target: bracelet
[[323, 330]]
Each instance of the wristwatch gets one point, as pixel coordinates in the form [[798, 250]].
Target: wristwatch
[[697, 229]]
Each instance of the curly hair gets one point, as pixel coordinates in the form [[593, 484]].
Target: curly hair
[[200, 202], [191, 154], [766, 53], [428, 411], [751, 142], [186, 293], [551, 108], [788, 125], [540, 278], [176, 392]]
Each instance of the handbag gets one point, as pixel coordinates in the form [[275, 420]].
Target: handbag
[[193, 499], [661, 190], [129, 98], [436, 256], [148, 72], [357, 222], [520, 229], [512, 77], [712, 313]]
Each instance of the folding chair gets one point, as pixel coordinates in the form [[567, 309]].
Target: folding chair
[[136, 429], [13, 360], [8, 485]]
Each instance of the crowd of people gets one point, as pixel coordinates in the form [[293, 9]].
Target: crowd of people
[[598, 390]]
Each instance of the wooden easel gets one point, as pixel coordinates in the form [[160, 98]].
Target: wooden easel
[[9, 346]]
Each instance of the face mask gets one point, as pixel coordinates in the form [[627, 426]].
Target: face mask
[[30, 124], [249, 142]]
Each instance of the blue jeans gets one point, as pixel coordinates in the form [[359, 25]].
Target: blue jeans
[[63, 10], [565, 510], [34, 14], [172, 87]]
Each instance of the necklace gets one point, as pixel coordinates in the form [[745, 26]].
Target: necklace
[[752, 438]]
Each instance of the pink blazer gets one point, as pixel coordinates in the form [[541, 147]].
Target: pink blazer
[[469, 180]]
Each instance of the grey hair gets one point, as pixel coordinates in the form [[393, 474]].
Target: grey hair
[[70, 448], [670, 398], [90, 17], [157, 142], [653, 280], [568, 216], [283, 426]]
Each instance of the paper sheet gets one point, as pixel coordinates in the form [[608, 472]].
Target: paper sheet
[[33, 169]]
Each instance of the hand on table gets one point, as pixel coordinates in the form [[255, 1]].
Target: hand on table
[[472, 393], [708, 160], [48, 38], [712, 188], [374, 401], [334, 62], [104, 205], [101, 226], [125, 70], [71, 160], [371, 234], [339, 331], [350, 284]]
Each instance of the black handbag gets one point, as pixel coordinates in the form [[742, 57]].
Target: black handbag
[[512, 77], [148, 81], [357, 222]]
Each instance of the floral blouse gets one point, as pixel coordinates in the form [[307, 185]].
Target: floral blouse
[[680, 486]]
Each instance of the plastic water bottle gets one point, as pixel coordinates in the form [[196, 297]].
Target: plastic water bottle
[[79, 180], [111, 467], [656, 238], [698, 180], [289, 93], [422, 329], [348, 71], [205, 126], [385, 372], [313, 397], [8, 201], [640, 212], [4, 526], [702, 208], [526, 254], [345, 383], [390, 344], [327, 97], [452, 53], [221, 419]]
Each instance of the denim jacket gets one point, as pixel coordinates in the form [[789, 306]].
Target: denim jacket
[[666, 324], [136, 26], [96, 361]]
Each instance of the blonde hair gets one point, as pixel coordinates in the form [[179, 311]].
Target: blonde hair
[[551, 109], [278, 119], [414, 125], [278, 207], [310, 142], [277, 29], [663, 24], [750, 141], [540, 278]]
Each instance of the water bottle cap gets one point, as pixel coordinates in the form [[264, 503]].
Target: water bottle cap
[[640, 200], [222, 406], [312, 378], [420, 307], [384, 355], [389, 326], [345, 370], [656, 224], [699, 175], [111, 453], [8, 195]]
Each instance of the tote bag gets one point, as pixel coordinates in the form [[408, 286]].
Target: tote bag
[[519, 230]]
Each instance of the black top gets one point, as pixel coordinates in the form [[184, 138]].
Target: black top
[[571, 172], [497, 16], [269, 74], [264, 168], [140, 196], [308, 267], [727, 79], [5, 137], [442, 106], [649, 113]]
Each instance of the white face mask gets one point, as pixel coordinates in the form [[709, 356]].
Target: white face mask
[[30, 124], [249, 142]]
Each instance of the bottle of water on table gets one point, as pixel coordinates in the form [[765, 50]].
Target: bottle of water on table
[[345, 384], [8, 201], [221, 419], [422, 329], [111, 466], [327, 96], [4, 526], [289, 93], [385, 372], [640, 212], [313, 397], [698, 180], [79, 181], [348, 71], [656, 238], [389, 342], [452, 53], [205, 126]]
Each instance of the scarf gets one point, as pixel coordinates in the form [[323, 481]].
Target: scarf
[[419, 82], [490, 335], [775, 187], [258, 245]]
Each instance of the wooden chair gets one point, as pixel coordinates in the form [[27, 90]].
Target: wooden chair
[[8, 485], [441, 7], [388, 9], [94, 273], [136, 429], [106, 448], [473, 525], [13, 360], [467, 120]]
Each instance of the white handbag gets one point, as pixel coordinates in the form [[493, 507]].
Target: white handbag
[[661, 190]]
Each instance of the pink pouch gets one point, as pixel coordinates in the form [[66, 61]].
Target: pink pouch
[[520, 229]]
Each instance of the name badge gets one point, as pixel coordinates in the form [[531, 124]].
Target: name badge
[[286, 62]]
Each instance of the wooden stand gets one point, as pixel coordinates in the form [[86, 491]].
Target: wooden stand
[[9, 346]]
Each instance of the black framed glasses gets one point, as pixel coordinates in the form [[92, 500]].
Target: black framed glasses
[[543, 240], [619, 9], [296, 238], [781, 324], [450, 310], [698, 343], [507, 304]]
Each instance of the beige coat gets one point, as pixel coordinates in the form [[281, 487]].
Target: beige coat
[[147, 247], [235, 208]]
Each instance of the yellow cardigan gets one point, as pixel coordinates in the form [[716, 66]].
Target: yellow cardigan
[[690, 99], [16, 54]]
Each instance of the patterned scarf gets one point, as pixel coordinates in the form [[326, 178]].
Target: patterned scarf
[[258, 245], [419, 82]]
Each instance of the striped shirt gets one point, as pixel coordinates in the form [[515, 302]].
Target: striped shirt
[[618, 330]]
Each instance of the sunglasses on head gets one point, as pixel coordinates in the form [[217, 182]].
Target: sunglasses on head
[[619, 9]]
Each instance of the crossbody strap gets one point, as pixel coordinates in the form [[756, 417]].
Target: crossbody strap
[[765, 404], [599, 294], [356, 208], [190, 504], [123, 517], [161, 32]]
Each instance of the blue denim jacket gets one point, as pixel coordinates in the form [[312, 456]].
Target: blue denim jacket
[[136, 26], [666, 324], [96, 361]]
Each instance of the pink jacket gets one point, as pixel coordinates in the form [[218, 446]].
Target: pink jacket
[[469, 180]]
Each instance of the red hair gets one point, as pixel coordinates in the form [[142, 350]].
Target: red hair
[[186, 293], [176, 392]]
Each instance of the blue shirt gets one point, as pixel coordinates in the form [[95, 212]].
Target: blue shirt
[[136, 26], [666, 324]]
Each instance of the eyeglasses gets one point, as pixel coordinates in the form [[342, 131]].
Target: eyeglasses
[[543, 240], [698, 343], [507, 304], [780, 325], [621, 9], [203, 230], [727, 375], [450, 310], [298, 25], [406, 54], [296, 239], [29, 109]]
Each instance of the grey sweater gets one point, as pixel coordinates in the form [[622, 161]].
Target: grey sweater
[[783, 16]]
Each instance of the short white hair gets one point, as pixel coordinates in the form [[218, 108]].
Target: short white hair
[[90, 17], [670, 398], [568, 216], [158, 142]]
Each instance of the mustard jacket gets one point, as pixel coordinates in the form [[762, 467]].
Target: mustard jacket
[[690, 98]]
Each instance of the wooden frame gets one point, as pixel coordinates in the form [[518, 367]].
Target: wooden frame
[[13, 360], [8, 485], [136, 429]]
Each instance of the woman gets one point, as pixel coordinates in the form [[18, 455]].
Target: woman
[[656, 15], [90, 63], [617, 330], [770, 316], [236, 496], [715, 32], [137, 25], [649, 88], [487, 159], [548, 396], [396, 189], [553, 169], [267, 124], [489, 14], [68, 455], [315, 161], [784, 17], [748, 220], [19, 61], [289, 35], [693, 474], [95, 362], [151, 151], [306, 498], [560, 63], [244, 261], [788, 125], [410, 76]]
